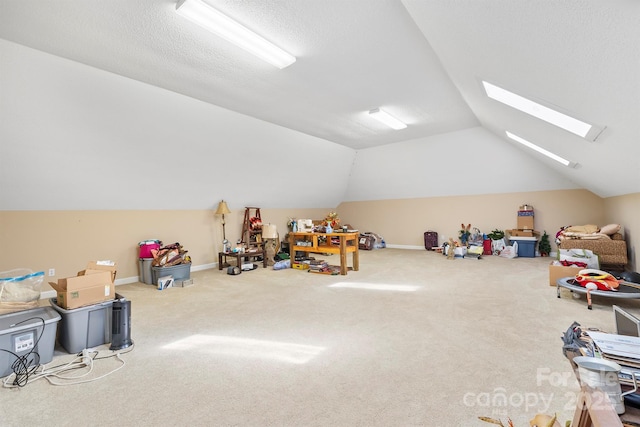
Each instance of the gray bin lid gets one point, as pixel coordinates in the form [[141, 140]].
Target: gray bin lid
[[25, 319]]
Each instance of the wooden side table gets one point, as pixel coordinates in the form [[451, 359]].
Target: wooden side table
[[239, 256]]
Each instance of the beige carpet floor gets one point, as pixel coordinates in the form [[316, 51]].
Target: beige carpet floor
[[412, 339]]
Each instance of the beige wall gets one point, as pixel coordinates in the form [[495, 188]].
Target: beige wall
[[624, 210], [403, 222], [66, 240]]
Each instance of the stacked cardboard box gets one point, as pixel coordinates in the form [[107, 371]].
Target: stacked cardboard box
[[92, 285], [523, 233], [525, 218]]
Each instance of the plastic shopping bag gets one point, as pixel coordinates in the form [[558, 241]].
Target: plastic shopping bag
[[510, 251], [580, 257]]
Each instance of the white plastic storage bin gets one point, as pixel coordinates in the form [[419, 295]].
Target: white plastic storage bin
[[84, 327], [25, 332]]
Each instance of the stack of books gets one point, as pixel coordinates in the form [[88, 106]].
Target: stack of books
[[322, 267], [317, 265]]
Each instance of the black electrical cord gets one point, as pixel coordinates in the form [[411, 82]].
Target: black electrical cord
[[25, 365]]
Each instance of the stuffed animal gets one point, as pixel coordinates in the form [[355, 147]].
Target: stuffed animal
[[593, 279], [451, 249], [464, 233]]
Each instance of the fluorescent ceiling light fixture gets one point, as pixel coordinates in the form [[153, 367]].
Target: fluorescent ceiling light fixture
[[547, 114], [221, 25], [376, 286], [540, 150], [386, 118], [247, 347]]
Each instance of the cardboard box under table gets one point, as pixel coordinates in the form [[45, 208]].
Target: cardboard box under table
[[559, 271], [25, 332], [93, 287], [84, 327]]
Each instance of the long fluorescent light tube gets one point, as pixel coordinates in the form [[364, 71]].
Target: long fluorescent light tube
[[386, 118], [221, 25], [534, 109], [540, 150]]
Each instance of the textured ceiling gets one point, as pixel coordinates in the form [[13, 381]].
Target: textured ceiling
[[421, 60]]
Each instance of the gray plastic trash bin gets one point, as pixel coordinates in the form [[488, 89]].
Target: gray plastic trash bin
[[144, 264]]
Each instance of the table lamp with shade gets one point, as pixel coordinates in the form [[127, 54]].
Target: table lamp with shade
[[222, 210], [270, 237]]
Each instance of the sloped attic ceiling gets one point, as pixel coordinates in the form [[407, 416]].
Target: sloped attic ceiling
[[420, 60]]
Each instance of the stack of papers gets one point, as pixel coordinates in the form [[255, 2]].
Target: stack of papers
[[622, 349]]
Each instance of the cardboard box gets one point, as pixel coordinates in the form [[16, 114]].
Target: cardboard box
[[183, 283], [523, 233], [165, 282], [93, 266], [525, 223], [300, 266], [90, 288], [559, 271]]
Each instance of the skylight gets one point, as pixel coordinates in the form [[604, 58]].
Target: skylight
[[541, 112], [540, 150]]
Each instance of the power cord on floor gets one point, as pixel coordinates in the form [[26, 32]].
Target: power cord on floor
[[68, 373]]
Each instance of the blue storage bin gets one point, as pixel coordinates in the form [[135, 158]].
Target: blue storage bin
[[526, 248]]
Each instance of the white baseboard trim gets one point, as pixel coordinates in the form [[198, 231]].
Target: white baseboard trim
[[48, 294], [205, 266], [133, 279], [126, 280], [406, 247]]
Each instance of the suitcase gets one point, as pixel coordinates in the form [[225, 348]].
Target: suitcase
[[430, 240], [366, 242]]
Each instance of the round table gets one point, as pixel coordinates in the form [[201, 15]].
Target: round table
[[623, 291]]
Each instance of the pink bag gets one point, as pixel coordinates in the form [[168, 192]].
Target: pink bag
[[147, 246]]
